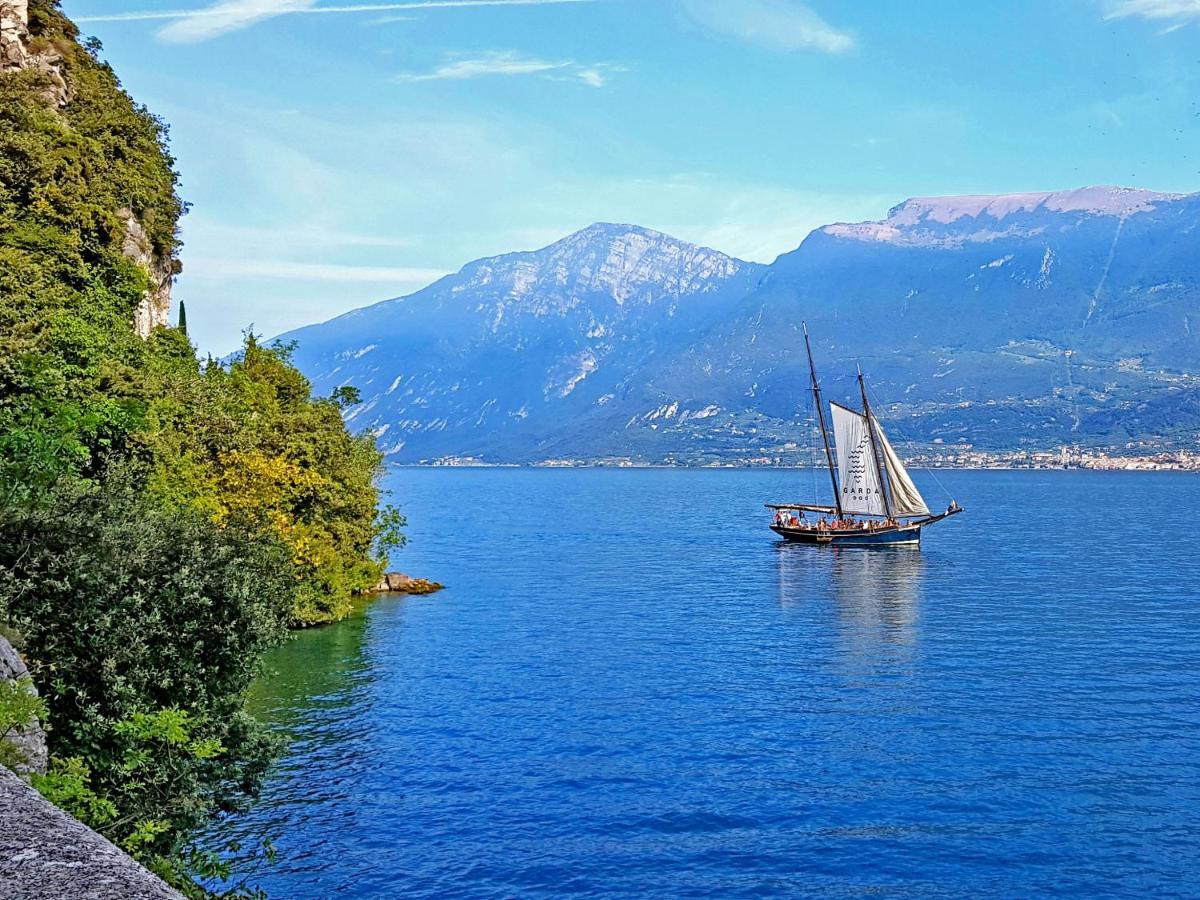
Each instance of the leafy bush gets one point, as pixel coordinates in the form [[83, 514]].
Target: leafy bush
[[66, 786], [143, 627]]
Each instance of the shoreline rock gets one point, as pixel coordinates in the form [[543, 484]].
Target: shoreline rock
[[399, 583]]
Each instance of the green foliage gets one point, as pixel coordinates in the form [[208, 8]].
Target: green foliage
[[66, 786], [19, 707], [389, 531], [250, 443], [346, 396], [149, 691]]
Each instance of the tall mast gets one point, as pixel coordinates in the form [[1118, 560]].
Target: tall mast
[[816, 391], [862, 387]]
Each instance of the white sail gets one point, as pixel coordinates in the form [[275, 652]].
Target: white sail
[[858, 476], [906, 499]]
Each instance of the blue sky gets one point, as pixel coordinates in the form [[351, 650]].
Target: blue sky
[[338, 152]]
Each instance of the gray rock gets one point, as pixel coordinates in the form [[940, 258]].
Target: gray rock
[[47, 855], [30, 741], [155, 306], [14, 17], [15, 52]]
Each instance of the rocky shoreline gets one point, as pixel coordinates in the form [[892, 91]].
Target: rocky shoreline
[[399, 583]]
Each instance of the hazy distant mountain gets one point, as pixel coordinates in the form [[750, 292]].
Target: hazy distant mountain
[[514, 350], [1028, 319]]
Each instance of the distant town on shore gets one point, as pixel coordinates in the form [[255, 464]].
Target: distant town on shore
[[1129, 459]]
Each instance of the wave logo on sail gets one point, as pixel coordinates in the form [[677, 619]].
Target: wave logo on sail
[[856, 468]]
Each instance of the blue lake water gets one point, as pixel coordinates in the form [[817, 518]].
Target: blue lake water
[[631, 688]]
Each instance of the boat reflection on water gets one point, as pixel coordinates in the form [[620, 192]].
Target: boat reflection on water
[[876, 594]]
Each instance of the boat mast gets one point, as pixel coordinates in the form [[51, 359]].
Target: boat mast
[[816, 391], [862, 387]]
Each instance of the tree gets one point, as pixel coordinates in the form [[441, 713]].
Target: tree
[[346, 395]]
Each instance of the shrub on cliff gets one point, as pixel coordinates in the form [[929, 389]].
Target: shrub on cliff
[[80, 393], [129, 609], [250, 443]]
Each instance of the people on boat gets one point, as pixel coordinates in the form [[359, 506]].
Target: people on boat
[[785, 519]]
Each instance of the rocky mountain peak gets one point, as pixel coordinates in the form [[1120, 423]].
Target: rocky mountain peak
[[1105, 200], [978, 218], [1076, 325], [618, 260]]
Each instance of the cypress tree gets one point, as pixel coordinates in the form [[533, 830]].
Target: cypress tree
[[183, 318]]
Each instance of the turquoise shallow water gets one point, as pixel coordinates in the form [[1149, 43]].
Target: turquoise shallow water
[[630, 688]]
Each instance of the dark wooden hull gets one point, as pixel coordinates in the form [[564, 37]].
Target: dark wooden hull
[[906, 535], [879, 537]]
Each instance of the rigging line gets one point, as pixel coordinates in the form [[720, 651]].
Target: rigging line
[[911, 445]]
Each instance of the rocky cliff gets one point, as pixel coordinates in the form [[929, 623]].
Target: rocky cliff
[[18, 50], [23, 47]]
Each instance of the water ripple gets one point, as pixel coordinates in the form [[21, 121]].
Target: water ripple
[[630, 689]]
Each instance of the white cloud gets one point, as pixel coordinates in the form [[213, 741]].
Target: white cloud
[[747, 219], [210, 268], [509, 63], [195, 25], [592, 76], [1179, 12], [229, 15], [302, 238], [784, 25]]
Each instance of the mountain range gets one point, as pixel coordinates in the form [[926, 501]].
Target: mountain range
[[1023, 320]]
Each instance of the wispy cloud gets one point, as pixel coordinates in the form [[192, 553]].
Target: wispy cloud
[[230, 15], [302, 239], [508, 63], [284, 269], [785, 25], [193, 25], [1176, 12]]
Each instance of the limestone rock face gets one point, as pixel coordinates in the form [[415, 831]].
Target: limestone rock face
[[16, 54], [153, 311], [14, 21], [30, 741]]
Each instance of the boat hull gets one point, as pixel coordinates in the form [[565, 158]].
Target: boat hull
[[909, 535]]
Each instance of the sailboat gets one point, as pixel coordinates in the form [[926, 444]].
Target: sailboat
[[875, 502]]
